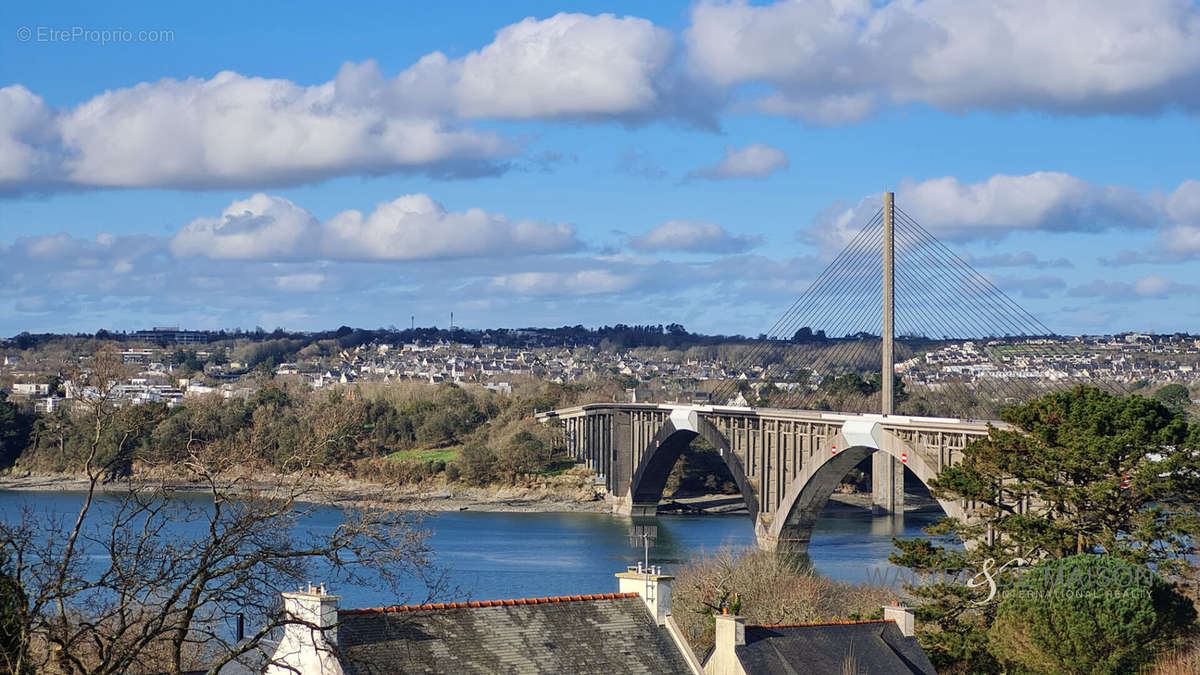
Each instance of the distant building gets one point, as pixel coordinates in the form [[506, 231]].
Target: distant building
[[30, 389]]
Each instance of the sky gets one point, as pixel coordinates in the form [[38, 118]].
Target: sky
[[300, 165]]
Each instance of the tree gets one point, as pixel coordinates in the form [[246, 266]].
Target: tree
[[14, 638], [15, 427], [149, 582], [1100, 616], [1079, 472], [1174, 396]]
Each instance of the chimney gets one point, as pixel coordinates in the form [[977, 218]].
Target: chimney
[[309, 641], [652, 585], [903, 616], [730, 634]]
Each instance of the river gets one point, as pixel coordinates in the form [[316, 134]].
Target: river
[[489, 555]]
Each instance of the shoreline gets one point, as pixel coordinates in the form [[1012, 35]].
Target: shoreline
[[543, 498]]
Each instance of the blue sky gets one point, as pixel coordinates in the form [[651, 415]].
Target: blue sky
[[549, 163]]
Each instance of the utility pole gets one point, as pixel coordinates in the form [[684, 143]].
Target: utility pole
[[889, 297]]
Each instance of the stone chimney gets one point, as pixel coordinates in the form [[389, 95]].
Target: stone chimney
[[903, 616], [652, 585], [730, 634], [309, 642]]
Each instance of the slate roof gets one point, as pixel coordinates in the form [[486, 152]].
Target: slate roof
[[878, 647], [604, 633]]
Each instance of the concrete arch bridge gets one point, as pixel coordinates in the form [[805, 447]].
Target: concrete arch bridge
[[785, 462]]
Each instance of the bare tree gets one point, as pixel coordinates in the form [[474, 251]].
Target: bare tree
[[148, 579]]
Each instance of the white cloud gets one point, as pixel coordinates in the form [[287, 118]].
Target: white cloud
[[412, 227], [304, 282], [694, 236], [259, 227], [230, 130], [832, 61], [1149, 287], [756, 160], [569, 64], [582, 282], [1019, 259], [234, 130], [992, 208]]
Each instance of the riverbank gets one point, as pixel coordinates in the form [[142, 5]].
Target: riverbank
[[573, 494], [568, 493]]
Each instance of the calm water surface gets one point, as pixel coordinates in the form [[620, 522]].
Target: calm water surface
[[504, 555]]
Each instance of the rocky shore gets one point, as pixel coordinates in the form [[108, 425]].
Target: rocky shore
[[571, 492]]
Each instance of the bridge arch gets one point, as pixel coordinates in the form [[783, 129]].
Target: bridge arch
[[792, 524], [650, 477]]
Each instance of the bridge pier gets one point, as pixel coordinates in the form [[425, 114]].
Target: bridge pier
[[623, 506], [791, 541], [887, 484]]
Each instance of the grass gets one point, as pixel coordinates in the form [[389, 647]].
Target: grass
[[421, 455]]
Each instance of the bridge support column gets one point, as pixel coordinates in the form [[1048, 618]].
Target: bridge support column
[[624, 506], [887, 484], [791, 541]]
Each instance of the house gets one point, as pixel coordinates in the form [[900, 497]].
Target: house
[[31, 389], [629, 631], [882, 646]]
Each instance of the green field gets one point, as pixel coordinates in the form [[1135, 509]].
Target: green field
[[421, 455]]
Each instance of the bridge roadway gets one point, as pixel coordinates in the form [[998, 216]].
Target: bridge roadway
[[785, 462]]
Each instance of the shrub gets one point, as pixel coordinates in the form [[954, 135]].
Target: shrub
[[478, 463], [765, 587]]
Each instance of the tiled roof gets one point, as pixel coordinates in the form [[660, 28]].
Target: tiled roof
[[488, 603], [600, 633], [874, 646]]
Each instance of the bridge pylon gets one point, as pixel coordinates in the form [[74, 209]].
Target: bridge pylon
[[887, 473]]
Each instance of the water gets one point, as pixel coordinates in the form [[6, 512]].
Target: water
[[505, 555]]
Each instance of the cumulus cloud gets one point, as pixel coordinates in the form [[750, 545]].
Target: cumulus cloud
[[1179, 238], [567, 65], [234, 130], [692, 236], [836, 61], [1044, 200], [756, 160], [412, 227]]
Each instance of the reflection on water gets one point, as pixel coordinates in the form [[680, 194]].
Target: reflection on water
[[504, 555]]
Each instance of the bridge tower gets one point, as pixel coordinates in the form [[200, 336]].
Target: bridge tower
[[887, 473]]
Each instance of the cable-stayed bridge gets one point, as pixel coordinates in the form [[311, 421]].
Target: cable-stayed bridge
[[848, 372]]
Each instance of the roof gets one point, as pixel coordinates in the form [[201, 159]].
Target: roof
[[601, 633], [876, 647]]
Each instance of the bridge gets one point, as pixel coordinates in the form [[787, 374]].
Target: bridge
[[787, 461]]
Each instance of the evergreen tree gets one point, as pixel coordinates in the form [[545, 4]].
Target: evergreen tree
[[1079, 472]]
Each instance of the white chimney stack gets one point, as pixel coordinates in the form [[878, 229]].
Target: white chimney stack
[[730, 634], [903, 616], [309, 642], [652, 585]]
